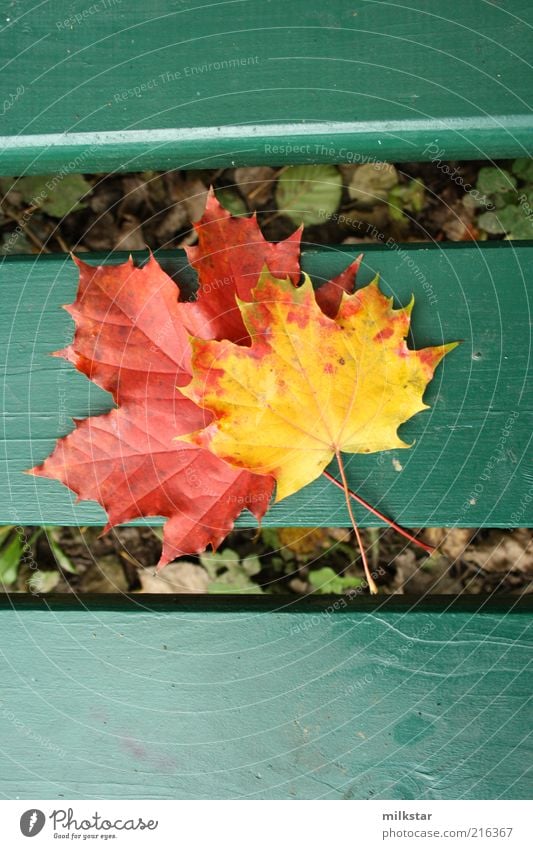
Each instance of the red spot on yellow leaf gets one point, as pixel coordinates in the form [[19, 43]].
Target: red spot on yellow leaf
[[386, 333]]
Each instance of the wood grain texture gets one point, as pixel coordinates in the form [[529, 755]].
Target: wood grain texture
[[471, 463], [194, 83], [168, 699]]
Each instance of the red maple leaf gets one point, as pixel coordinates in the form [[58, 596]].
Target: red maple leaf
[[329, 295], [229, 257], [130, 339]]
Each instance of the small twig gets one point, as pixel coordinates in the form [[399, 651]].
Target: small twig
[[271, 217], [133, 560], [62, 244], [260, 185], [429, 548], [374, 547], [25, 227], [371, 583]]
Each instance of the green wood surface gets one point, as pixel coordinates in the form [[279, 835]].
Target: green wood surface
[[471, 464], [192, 83], [171, 699]]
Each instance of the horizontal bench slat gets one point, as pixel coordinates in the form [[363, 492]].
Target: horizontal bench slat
[[135, 85], [504, 136], [471, 462], [163, 699]]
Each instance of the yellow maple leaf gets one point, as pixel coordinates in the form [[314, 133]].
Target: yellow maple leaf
[[309, 386]]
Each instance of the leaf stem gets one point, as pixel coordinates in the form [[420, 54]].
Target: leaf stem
[[371, 584], [429, 548]]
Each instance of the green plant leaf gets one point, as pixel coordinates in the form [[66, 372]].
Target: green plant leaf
[[325, 581], [511, 217], [502, 200], [234, 580], [309, 194], [57, 196], [410, 196], [522, 229], [251, 565], [527, 195], [217, 561], [219, 587], [60, 557], [228, 575], [491, 223], [10, 560], [5, 530], [512, 220], [372, 182], [232, 201], [495, 181], [15, 242], [523, 169], [270, 538]]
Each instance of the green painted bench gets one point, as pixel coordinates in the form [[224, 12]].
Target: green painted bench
[[181, 697]]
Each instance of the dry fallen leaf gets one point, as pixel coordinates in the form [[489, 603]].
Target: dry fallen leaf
[[178, 577], [256, 184], [304, 542], [450, 541], [502, 553]]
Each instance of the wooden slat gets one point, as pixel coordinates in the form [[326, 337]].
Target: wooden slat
[[193, 84], [171, 699], [471, 464]]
